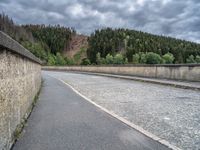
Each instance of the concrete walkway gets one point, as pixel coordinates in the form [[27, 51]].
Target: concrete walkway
[[62, 120]]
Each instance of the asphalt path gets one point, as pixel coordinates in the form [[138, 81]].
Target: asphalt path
[[169, 113], [63, 120]]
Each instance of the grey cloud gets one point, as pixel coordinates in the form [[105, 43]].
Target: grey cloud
[[180, 19]]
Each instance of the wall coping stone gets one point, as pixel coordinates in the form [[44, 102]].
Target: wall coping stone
[[133, 65], [12, 45]]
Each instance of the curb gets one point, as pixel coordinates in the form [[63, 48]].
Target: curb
[[130, 78], [130, 124], [20, 127], [140, 79]]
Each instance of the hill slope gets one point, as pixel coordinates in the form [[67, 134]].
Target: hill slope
[[52, 44], [77, 42], [58, 45], [129, 42]]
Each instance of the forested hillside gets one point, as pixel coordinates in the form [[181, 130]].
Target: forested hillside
[[56, 37], [46, 42], [15, 31], [58, 45], [137, 46]]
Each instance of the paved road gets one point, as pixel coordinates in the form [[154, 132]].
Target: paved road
[[62, 120], [170, 113]]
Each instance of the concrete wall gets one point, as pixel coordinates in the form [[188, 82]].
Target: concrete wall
[[20, 80], [176, 72]]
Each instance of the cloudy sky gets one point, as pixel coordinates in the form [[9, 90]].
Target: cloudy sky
[[177, 18]]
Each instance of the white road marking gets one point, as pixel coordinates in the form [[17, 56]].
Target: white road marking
[[130, 124]]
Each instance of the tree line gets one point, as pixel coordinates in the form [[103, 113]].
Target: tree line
[[131, 44], [46, 42], [105, 46]]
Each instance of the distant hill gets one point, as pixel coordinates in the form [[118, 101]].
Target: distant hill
[[59, 45], [15, 31], [129, 42], [52, 44]]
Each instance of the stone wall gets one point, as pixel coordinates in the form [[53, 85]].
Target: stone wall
[[175, 72], [20, 80]]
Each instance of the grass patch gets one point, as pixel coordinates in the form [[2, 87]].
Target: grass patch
[[79, 54]]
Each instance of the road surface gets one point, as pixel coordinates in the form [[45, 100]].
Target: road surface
[[170, 113], [62, 120]]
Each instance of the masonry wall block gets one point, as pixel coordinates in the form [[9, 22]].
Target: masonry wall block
[[186, 72], [20, 81]]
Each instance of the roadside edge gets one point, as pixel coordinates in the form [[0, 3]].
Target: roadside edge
[[130, 124]]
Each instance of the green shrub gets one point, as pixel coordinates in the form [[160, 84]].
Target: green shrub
[[69, 61], [37, 49], [153, 58], [126, 61], [136, 58], [103, 61], [59, 59], [85, 61], [77, 57], [197, 59], [118, 59], [109, 59], [66, 60], [143, 58], [190, 59], [51, 60], [168, 58], [98, 58]]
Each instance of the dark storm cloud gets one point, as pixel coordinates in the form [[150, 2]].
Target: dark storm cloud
[[179, 18]]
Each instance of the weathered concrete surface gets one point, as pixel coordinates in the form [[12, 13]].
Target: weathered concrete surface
[[177, 72], [170, 113], [62, 120], [12, 45], [20, 79], [175, 83]]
